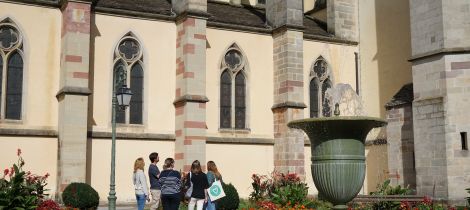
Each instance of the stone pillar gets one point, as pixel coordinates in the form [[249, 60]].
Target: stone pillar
[[190, 102], [440, 34], [73, 93], [286, 17], [401, 162], [343, 19]]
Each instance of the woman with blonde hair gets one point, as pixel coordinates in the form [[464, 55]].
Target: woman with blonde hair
[[213, 174], [140, 183], [170, 181]]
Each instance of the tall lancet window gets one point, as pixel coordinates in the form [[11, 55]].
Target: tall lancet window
[[128, 56], [11, 67], [233, 80], [320, 81]]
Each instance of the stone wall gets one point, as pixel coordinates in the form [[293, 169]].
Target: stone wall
[[400, 141], [342, 18], [441, 65]]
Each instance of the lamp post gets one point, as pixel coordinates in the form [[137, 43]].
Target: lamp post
[[121, 99]]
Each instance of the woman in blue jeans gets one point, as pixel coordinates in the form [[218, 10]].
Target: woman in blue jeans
[[140, 183], [212, 175]]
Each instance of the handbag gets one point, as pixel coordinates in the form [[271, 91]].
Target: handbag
[[189, 191], [216, 191]]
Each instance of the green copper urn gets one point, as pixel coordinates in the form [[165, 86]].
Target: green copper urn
[[338, 154]]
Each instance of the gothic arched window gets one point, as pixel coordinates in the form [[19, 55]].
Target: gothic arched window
[[11, 67], [128, 56], [320, 81], [233, 79]]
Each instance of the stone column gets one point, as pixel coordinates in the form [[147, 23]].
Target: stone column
[[286, 17], [343, 19], [401, 163], [73, 93], [190, 102], [440, 32]]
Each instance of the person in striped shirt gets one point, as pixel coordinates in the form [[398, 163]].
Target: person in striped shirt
[[170, 181]]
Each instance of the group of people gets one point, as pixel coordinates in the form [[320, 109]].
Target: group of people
[[167, 186]]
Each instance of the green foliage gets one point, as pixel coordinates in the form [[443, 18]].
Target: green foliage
[[281, 190], [290, 192], [231, 199], [386, 189], [247, 204], [80, 195], [319, 205], [21, 190]]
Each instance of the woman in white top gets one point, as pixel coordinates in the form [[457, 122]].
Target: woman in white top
[[140, 183]]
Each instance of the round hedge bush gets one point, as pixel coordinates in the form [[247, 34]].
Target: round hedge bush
[[80, 195], [231, 199]]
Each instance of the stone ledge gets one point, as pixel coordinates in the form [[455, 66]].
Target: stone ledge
[[28, 132], [329, 39], [440, 52], [237, 140], [241, 28], [192, 14], [128, 13], [104, 135], [190, 98], [45, 3], [289, 104], [70, 90]]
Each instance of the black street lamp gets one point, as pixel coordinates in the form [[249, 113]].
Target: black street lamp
[[121, 98]]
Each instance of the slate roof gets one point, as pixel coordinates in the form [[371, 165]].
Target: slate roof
[[162, 7], [222, 14], [241, 15], [403, 96]]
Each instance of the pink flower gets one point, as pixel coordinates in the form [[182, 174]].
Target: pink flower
[[12, 171], [18, 152], [5, 172]]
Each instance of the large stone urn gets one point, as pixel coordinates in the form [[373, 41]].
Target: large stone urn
[[338, 160]]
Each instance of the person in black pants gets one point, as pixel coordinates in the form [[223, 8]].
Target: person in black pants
[[200, 184], [170, 181]]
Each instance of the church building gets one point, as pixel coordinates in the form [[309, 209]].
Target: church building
[[220, 79]]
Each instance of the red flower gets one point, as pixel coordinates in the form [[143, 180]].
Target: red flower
[[5, 172], [12, 171], [18, 152]]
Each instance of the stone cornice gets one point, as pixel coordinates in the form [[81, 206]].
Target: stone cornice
[[54, 4], [241, 28], [190, 98], [28, 132], [440, 52], [289, 104], [70, 90], [287, 27], [329, 39], [136, 136], [128, 13], [192, 14]]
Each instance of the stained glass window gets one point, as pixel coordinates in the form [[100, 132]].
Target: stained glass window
[[137, 86], [240, 108], [14, 87], [11, 71], [225, 100]]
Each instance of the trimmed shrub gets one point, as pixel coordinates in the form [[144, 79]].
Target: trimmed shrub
[[231, 199], [80, 195]]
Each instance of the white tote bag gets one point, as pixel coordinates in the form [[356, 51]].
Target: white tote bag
[[216, 191]]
